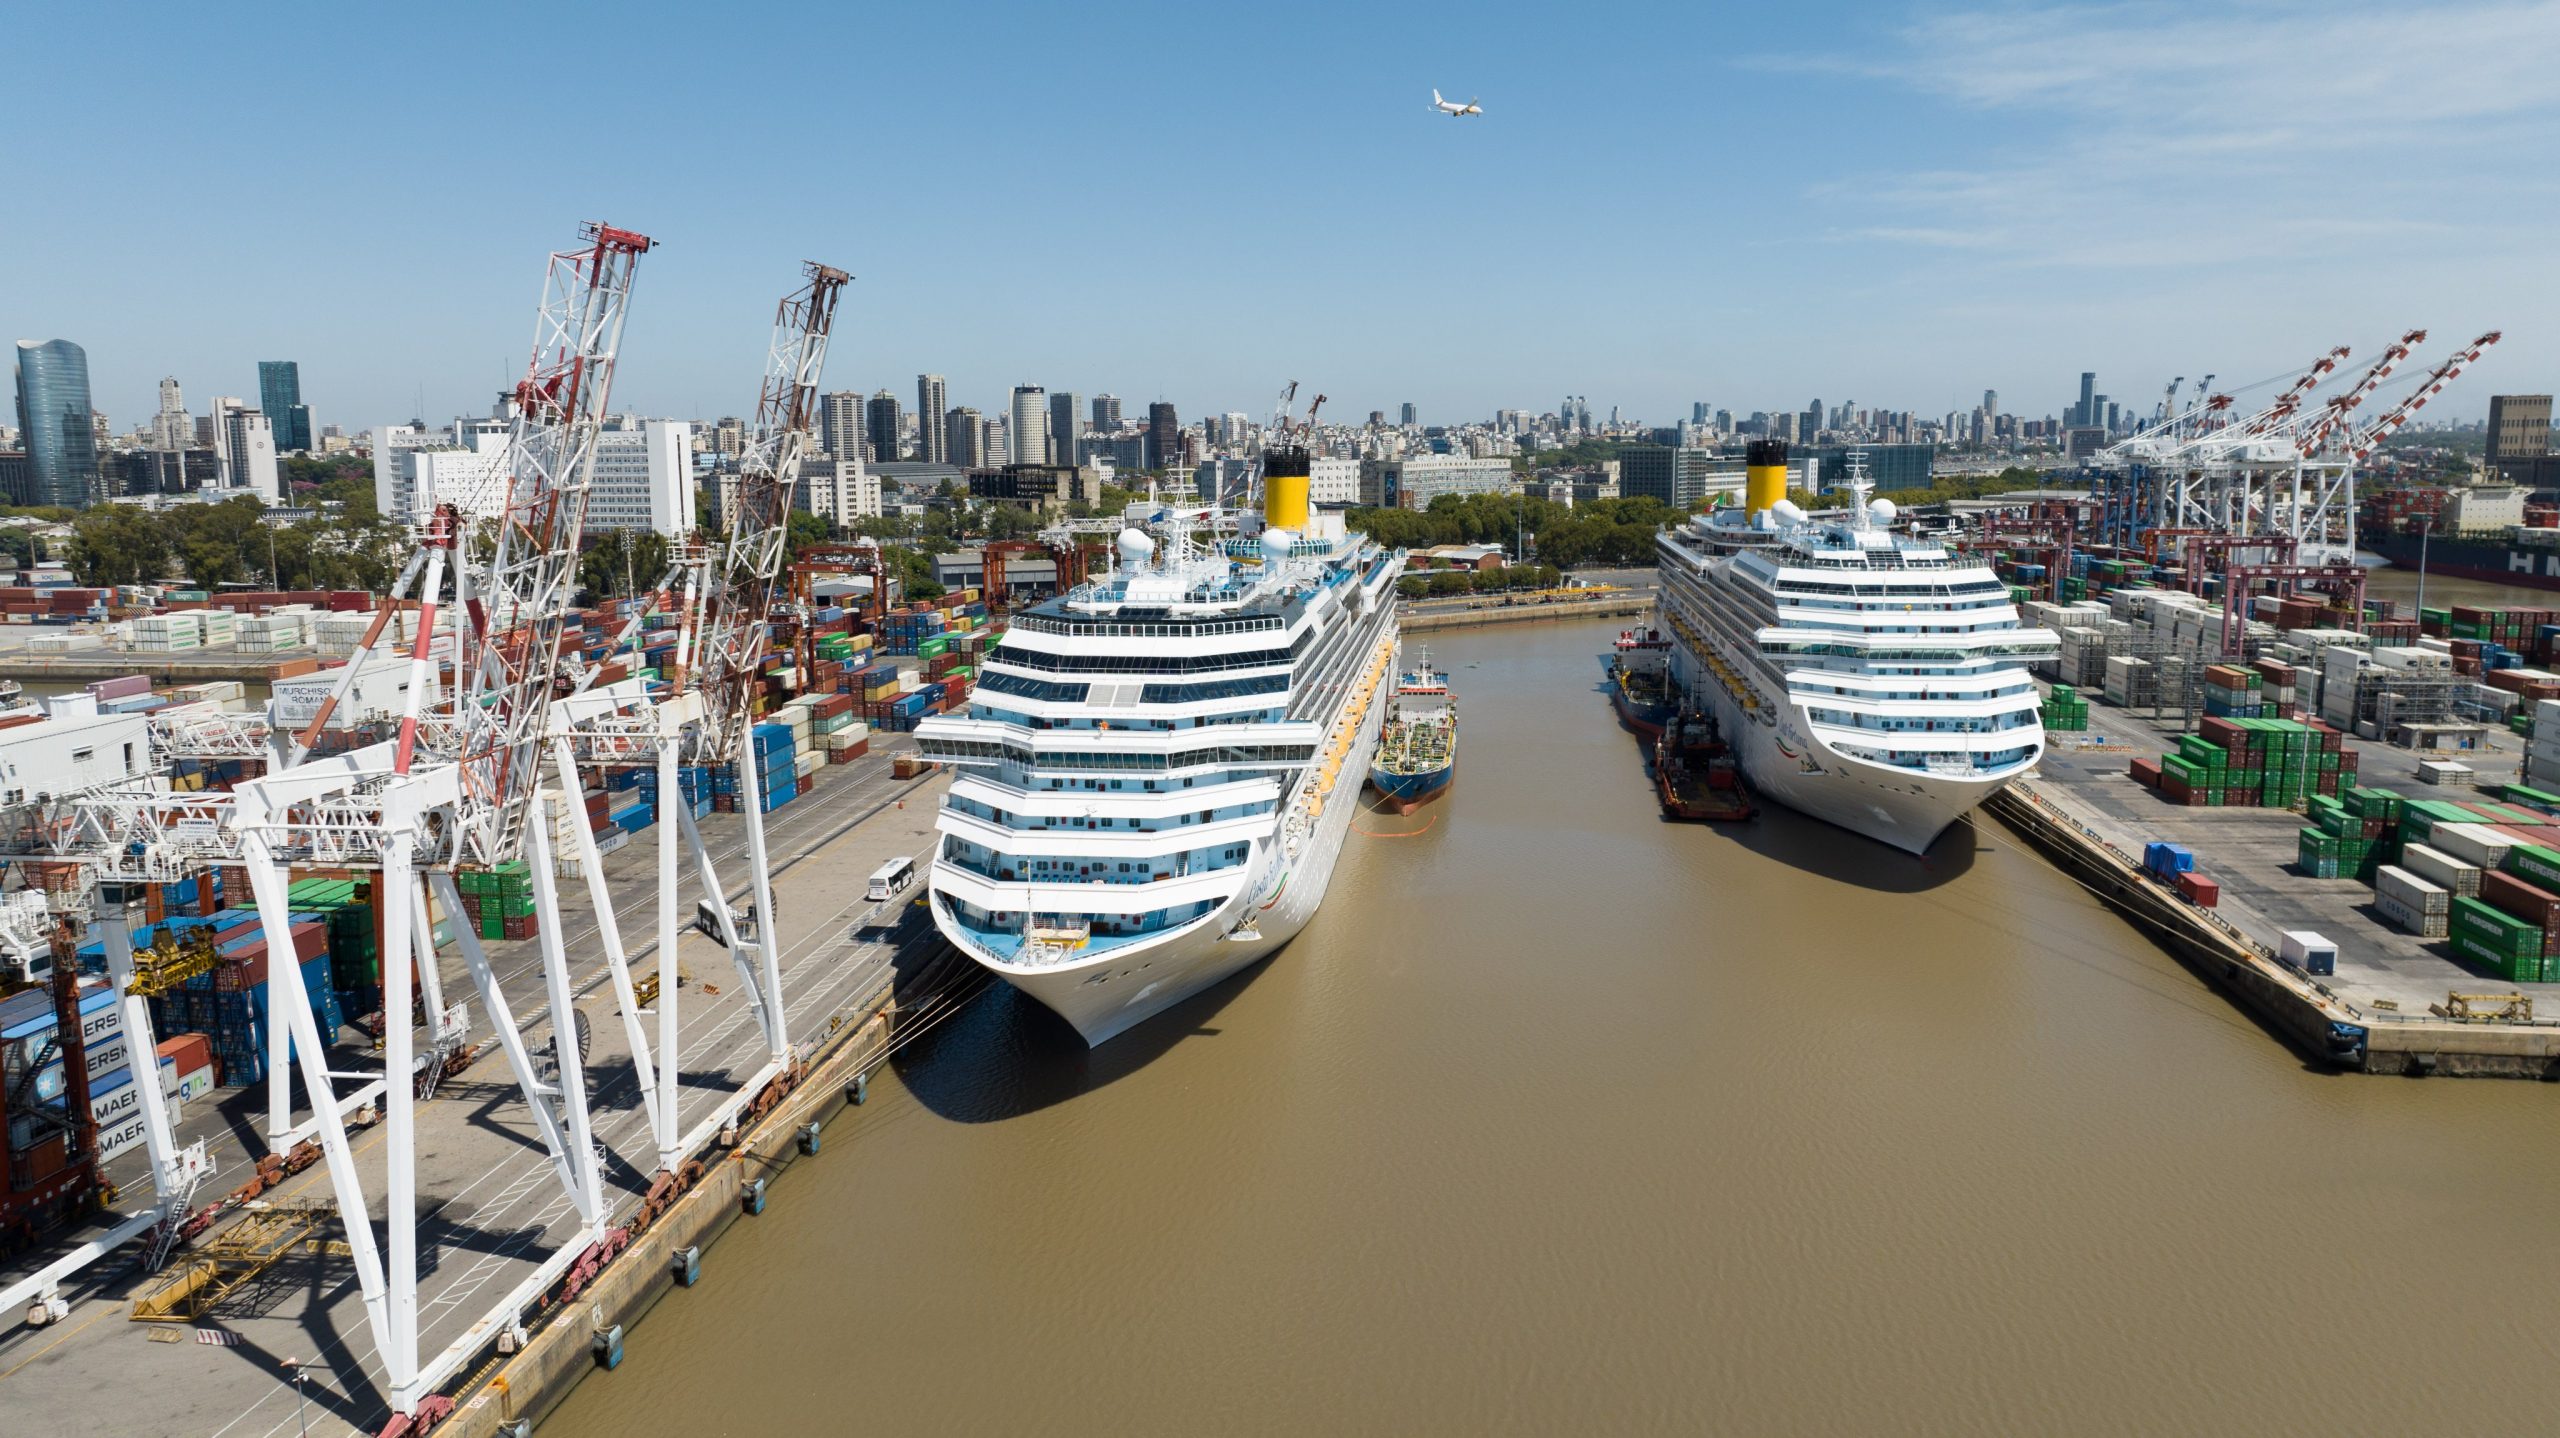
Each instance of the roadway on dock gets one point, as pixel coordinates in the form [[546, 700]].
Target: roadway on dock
[[492, 1209]]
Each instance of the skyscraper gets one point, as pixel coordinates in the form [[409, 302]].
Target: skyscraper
[[54, 425], [171, 429], [841, 432], [1991, 403], [1811, 424], [1066, 421], [280, 399], [249, 453], [2086, 412], [1027, 437], [1164, 436], [1411, 415], [882, 427], [1106, 413], [964, 438], [933, 438]]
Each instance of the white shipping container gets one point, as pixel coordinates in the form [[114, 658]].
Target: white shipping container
[[2401, 886], [2441, 869], [2307, 949], [2471, 843], [2424, 924], [2443, 771]]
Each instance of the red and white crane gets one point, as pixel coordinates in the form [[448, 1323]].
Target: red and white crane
[[2339, 408], [2364, 442]]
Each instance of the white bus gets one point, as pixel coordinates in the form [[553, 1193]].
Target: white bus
[[890, 877]]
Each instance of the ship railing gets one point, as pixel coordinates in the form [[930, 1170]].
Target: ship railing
[[1039, 624]]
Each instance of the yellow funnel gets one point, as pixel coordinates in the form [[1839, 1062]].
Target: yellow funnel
[[1284, 488], [1764, 475]]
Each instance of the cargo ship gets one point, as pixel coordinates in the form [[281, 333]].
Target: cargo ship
[[2523, 555], [1864, 677], [1418, 751], [1156, 772]]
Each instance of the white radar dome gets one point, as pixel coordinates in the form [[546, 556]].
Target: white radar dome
[[1136, 546], [1276, 542], [1786, 511], [1881, 511]]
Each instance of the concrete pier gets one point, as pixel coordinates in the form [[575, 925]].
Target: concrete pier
[[2084, 810], [491, 1210], [1423, 616]]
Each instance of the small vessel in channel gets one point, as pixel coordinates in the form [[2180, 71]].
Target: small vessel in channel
[[1418, 753], [1641, 688]]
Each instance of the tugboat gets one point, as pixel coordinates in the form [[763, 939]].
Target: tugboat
[[1418, 754], [1695, 774], [1640, 685]]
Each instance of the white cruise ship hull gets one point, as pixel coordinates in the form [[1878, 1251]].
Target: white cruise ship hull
[[1907, 809], [1116, 990]]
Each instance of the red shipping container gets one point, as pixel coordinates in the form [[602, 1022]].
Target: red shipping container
[[192, 1051], [2146, 772], [2508, 894], [2198, 890]]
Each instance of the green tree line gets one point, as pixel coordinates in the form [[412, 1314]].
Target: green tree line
[[232, 542]]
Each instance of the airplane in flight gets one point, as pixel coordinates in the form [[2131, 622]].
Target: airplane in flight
[[1452, 108]]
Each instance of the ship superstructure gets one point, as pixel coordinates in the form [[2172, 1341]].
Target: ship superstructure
[[1157, 769], [1418, 751], [1865, 677]]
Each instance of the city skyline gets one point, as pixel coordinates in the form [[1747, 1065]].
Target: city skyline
[[1993, 219]]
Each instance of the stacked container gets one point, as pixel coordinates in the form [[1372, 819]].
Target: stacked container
[[776, 767], [2064, 711]]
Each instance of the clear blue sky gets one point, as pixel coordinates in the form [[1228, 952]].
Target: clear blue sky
[[1888, 203]]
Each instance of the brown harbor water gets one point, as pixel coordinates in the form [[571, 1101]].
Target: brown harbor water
[[1560, 1119]]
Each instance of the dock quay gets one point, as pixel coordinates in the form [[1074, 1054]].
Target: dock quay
[[857, 978], [1424, 616], [2391, 1006], [161, 666]]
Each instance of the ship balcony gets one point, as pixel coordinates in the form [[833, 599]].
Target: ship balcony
[[1152, 742], [1090, 896], [1049, 938], [1950, 756], [1088, 840], [1134, 802]]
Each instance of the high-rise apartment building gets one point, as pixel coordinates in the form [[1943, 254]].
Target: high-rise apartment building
[[1412, 416], [643, 476], [54, 424], [964, 438], [249, 454], [1164, 436], [933, 439], [280, 399], [1029, 434], [170, 428], [1106, 413], [882, 427], [2519, 435], [996, 444], [841, 425], [1066, 421]]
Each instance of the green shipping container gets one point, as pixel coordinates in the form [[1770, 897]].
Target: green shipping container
[[2534, 864]]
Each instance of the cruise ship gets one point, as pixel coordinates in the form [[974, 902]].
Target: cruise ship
[[1862, 676], [1156, 772]]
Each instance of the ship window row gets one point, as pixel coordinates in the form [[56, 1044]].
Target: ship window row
[[1940, 761], [1086, 723], [1011, 922], [1849, 692], [1955, 589], [1149, 824], [1015, 654], [987, 863], [1988, 724], [987, 751], [1075, 692]]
